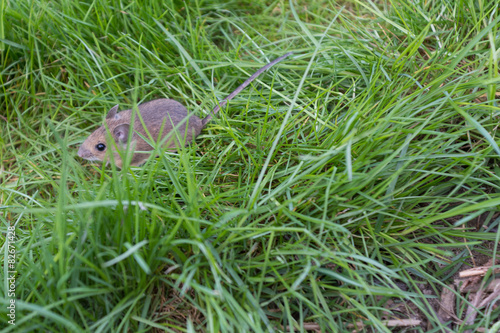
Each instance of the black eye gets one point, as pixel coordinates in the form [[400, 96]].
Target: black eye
[[100, 146]]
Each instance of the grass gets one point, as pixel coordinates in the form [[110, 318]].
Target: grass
[[348, 176]]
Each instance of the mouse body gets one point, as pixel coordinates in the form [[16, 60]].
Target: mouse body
[[160, 117], [160, 120]]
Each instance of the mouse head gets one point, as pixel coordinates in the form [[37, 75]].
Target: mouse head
[[98, 144]]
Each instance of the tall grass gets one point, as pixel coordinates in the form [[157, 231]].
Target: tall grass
[[347, 176]]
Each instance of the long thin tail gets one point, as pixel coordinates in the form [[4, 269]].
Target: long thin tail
[[243, 86]]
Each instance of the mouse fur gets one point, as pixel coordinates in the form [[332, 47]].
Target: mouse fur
[[160, 117]]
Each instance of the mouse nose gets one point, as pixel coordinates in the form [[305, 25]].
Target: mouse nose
[[84, 153]]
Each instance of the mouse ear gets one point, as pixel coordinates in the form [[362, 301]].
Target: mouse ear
[[112, 112], [120, 133]]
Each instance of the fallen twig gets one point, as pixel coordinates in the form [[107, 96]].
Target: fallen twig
[[477, 271], [360, 324]]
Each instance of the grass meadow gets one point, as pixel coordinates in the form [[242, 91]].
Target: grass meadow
[[345, 188]]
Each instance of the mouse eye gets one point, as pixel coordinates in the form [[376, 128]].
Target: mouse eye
[[100, 146]]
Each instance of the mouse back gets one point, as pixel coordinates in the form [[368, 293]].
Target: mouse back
[[169, 120]]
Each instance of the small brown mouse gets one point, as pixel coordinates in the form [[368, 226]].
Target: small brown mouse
[[165, 119]]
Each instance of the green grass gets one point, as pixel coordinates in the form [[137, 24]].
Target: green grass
[[356, 167]]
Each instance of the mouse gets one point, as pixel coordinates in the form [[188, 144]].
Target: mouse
[[166, 120]]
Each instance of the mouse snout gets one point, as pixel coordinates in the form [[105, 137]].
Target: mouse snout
[[84, 153]]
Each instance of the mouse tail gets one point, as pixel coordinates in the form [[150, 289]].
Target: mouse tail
[[243, 86]]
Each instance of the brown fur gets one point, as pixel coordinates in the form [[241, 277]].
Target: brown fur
[[157, 115]]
